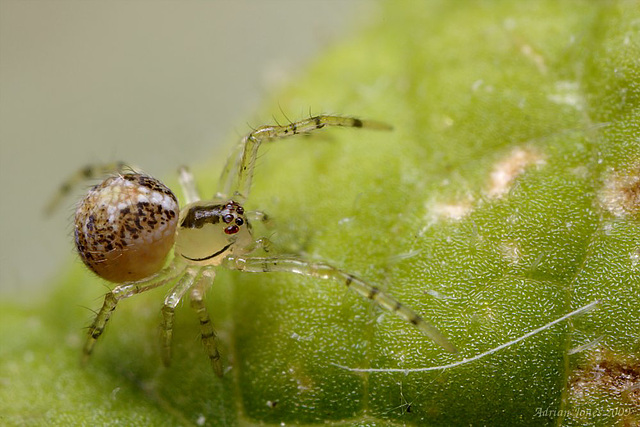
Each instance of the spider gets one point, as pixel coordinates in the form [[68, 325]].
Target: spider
[[126, 226]]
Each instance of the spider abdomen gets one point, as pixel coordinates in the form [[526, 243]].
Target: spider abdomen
[[125, 227]]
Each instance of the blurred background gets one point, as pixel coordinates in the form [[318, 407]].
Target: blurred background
[[155, 84]]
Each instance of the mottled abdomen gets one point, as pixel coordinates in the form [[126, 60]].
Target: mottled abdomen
[[125, 227]]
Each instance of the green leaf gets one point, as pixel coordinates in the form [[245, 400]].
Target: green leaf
[[507, 195]]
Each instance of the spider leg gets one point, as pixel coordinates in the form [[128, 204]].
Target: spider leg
[[168, 310], [80, 176], [207, 332], [259, 216], [262, 243], [188, 185], [265, 220], [325, 271], [118, 293], [238, 172]]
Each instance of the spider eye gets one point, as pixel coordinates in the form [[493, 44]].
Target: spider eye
[[125, 227], [232, 229]]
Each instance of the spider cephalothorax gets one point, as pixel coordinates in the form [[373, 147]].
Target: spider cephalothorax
[[209, 231]]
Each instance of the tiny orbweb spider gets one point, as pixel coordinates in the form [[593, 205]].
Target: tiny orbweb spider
[[126, 226]]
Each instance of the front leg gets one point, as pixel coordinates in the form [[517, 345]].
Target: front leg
[[238, 172], [325, 271], [260, 216]]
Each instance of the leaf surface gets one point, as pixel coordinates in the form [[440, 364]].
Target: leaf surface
[[506, 196]]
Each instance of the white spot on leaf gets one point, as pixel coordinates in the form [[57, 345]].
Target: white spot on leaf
[[509, 168], [620, 194]]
